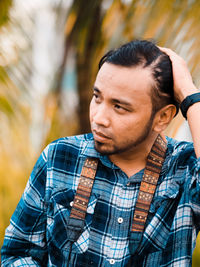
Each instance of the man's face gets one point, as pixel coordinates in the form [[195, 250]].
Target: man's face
[[121, 108]]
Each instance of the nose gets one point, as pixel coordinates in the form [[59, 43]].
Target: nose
[[100, 116]]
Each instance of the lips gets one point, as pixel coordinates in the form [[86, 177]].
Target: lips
[[99, 136]]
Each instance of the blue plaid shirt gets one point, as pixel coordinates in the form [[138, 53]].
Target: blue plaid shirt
[[37, 233]]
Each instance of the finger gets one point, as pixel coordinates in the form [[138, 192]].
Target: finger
[[168, 51], [173, 56]]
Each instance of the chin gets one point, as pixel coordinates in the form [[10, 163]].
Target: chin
[[103, 149]]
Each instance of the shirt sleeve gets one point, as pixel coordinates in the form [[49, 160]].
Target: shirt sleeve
[[195, 193], [25, 242]]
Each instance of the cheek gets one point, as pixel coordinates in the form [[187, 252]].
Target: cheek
[[91, 109], [128, 126]]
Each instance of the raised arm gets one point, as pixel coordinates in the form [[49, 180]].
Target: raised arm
[[184, 87]]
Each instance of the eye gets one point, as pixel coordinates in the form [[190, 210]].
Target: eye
[[118, 106], [96, 97]]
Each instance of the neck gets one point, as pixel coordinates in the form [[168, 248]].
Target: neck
[[135, 159]]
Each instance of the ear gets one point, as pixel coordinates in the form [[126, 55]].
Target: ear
[[163, 117]]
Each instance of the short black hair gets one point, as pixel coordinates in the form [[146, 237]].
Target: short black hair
[[146, 54]]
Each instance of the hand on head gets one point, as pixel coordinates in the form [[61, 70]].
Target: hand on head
[[183, 84]]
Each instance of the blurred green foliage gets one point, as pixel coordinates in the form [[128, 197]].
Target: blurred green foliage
[[4, 11]]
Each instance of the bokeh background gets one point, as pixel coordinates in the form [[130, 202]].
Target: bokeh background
[[49, 53]]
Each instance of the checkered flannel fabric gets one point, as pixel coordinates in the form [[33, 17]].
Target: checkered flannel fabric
[[37, 234]]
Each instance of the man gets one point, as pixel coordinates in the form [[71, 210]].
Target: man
[[132, 105]]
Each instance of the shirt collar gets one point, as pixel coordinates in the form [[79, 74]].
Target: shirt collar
[[89, 150]]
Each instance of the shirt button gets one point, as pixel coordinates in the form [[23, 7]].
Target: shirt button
[[112, 261], [71, 203], [120, 220]]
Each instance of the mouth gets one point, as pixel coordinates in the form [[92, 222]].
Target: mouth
[[99, 136]]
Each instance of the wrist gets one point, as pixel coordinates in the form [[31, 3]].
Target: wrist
[[185, 93]]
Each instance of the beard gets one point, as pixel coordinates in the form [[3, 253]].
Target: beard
[[111, 147]]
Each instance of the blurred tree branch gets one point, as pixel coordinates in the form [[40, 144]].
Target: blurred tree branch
[[83, 33]]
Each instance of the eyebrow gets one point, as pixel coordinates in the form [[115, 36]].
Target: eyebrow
[[115, 100]]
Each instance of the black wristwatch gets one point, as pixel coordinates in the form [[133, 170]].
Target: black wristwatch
[[189, 101]]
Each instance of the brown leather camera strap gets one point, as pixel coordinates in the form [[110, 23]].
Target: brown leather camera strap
[[151, 174], [84, 189], [152, 171]]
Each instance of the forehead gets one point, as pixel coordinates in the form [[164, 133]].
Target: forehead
[[134, 82]]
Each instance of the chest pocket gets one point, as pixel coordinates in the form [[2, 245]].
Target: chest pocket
[[59, 209], [160, 219]]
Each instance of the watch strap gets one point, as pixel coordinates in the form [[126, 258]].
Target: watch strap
[[189, 101]]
